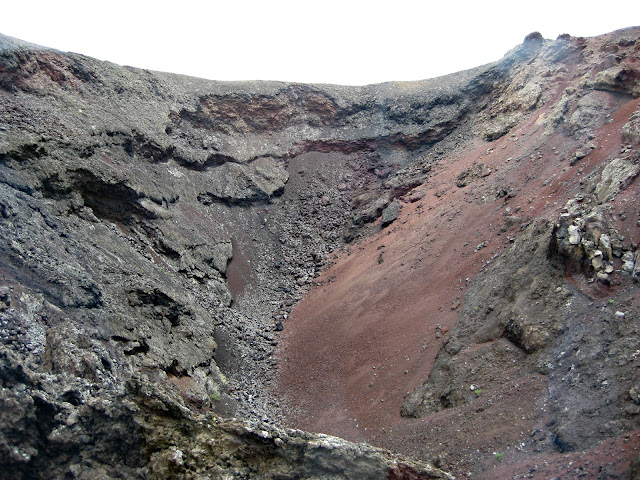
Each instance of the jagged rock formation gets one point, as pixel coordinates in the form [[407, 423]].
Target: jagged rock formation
[[74, 431], [157, 230]]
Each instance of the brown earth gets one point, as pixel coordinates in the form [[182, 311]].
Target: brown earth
[[370, 330]]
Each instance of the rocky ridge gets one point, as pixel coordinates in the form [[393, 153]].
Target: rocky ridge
[[157, 231]]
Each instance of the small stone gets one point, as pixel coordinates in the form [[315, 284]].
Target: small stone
[[605, 246], [415, 196], [577, 156], [574, 235], [596, 260], [480, 246], [620, 314], [628, 263]]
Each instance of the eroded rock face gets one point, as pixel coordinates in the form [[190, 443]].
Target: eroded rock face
[[138, 208], [526, 299], [520, 319], [238, 184], [58, 426], [618, 79], [501, 306], [543, 204], [156, 231]]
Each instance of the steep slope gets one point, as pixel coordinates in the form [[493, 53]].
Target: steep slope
[[157, 230], [137, 208], [507, 281]]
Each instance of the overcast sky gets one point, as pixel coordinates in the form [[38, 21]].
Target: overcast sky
[[345, 42]]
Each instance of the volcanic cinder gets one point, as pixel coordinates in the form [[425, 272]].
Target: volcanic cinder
[[441, 277]]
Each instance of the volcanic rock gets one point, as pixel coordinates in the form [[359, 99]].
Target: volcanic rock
[[175, 282], [390, 213]]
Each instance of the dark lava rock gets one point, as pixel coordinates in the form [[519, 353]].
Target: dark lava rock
[[153, 226]]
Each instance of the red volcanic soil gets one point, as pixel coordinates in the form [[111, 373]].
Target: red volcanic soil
[[369, 332]]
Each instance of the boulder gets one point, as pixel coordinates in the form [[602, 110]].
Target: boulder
[[390, 213]]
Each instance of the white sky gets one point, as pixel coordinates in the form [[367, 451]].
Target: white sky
[[345, 42]]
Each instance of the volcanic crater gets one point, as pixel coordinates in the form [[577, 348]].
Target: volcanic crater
[[433, 279]]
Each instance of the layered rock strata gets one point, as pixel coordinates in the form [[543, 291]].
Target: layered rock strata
[[157, 230]]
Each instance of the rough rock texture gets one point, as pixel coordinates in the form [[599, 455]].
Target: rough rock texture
[[496, 318], [136, 209], [62, 428], [156, 232]]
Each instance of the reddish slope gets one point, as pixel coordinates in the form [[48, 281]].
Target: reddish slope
[[370, 332]]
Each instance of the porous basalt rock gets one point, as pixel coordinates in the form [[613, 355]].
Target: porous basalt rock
[[141, 431]]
